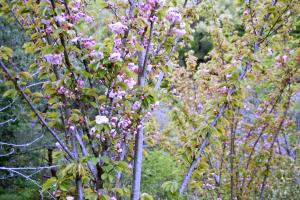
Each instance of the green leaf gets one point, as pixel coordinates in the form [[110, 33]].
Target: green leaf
[[121, 166], [203, 165], [5, 53], [74, 117], [65, 185], [110, 178], [26, 75], [170, 186], [104, 176], [102, 127], [10, 93], [139, 47], [119, 191], [49, 183], [32, 67], [90, 194], [37, 95], [146, 196], [101, 4]]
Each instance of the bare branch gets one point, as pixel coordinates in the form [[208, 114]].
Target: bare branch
[[9, 105], [22, 145], [40, 117], [35, 84], [28, 178], [275, 136], [8, 154], [29, 168], [7, 121], [6, 177], [85, 153]]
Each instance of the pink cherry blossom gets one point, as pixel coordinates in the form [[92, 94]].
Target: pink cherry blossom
[[133, 67], [78, 16], [45, 22], [72, 127], [118, 42], [161, 2], [60, 18], [75, 39], [48, 30], [112, 94], [285, 58], [101, 119], [120, 77], [124, 123], [173, 15], [118, 28], [149, 68], [136, 105], [96, 54], [76, 5], [62, 90], [88, 19], [179, 32], [153, 19], [57, 145], [92, 131], [69, 198], [80, 83], [88, 42], [120, 94], [54, 59], [115, 57], [246, 12], [130, 82]]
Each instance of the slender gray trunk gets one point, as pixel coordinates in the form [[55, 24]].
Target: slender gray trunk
[[79, 188], [232, 157], [138, 148], [192, 167], [122, 157], [199, 154], [268, 165], [137, 172]]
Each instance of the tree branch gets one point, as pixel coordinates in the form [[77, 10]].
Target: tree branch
[[8, 154], [22, 145], [9, 105], [27, 178], [7, 121], [41, 119]]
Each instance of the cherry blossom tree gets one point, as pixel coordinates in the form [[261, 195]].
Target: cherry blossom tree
[[98, 93], [99, 73]]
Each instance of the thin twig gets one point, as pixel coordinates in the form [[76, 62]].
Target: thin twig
[[9, 105], [22, 145], [7, 121], [41, 119], [30, 179], [8, 154]]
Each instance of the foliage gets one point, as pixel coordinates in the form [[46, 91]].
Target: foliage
[[92, 73]]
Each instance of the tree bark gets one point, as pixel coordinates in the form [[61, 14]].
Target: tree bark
[[79, 188], [137, 172], [199, 154], [138, 148]]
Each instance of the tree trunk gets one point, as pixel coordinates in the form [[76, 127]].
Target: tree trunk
[[79, 188], [137, 169]]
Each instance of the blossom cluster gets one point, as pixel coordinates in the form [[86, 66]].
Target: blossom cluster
[[78, 14], [173, 15], [118, 28], [54, 59]]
